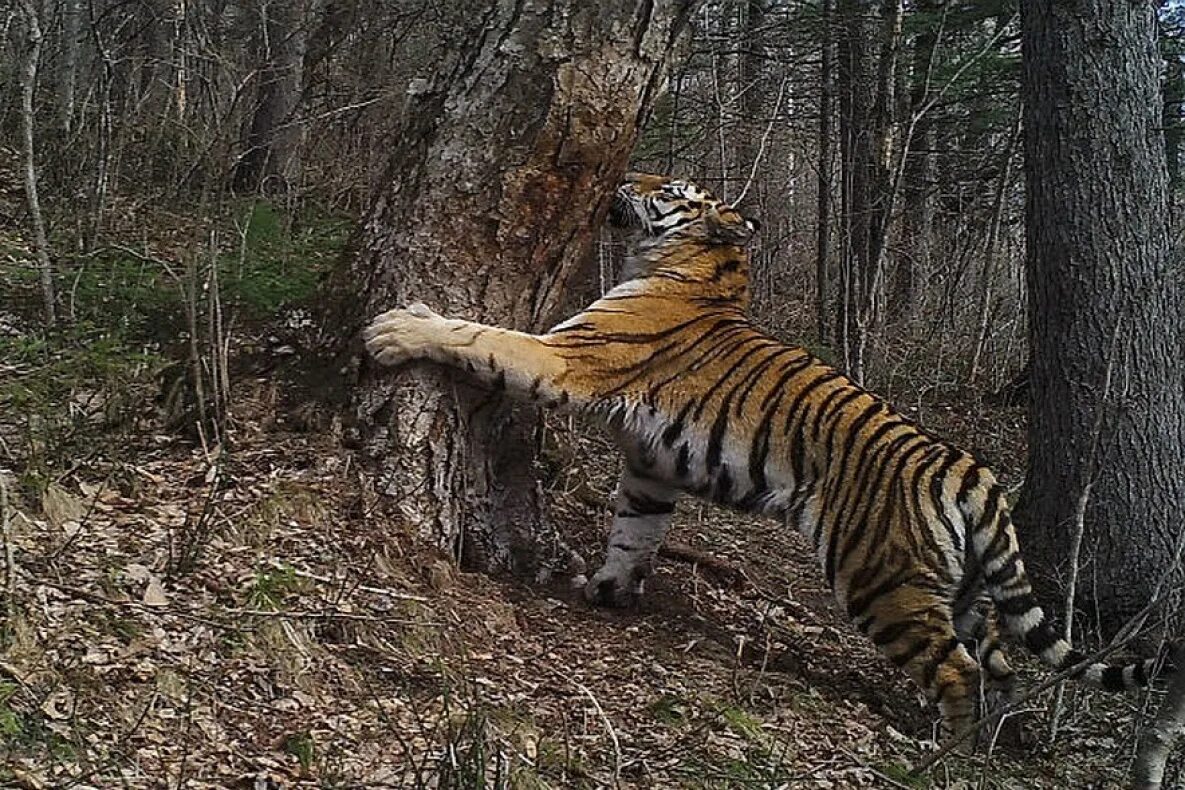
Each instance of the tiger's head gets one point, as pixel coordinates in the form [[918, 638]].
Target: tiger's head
[[659, 207]]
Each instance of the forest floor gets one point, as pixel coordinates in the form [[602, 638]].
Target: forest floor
[[251, 614]]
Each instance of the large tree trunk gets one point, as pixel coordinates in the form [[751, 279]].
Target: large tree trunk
[[1106, 324], [913, 264], [271, 156], [493, 197], [823, 307], [866, 83]]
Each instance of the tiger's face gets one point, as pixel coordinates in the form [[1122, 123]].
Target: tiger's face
[[657, 207]]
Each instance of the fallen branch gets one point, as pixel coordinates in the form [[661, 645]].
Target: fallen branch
[[608, 728], [9, 555], [721, 569]]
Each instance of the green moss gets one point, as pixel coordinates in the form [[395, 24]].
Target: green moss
[[301, 746]]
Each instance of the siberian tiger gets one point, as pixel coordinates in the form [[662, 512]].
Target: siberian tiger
[[913, 534]]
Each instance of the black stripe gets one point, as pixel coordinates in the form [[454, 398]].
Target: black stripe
[[970, 481], [683, 460], [758, 374], [952, 644], [647, 505], [854, 429], [673, 431], [1016, 606], [793, 368], [792, 409], [858, 604], [879, 482], [724, 343], [831, 406], [876, 456], [991, 508], [1041, 637], [716, 437], [937, 492], [890, 633], [1112, 679], [1003, 573], [915, 650]]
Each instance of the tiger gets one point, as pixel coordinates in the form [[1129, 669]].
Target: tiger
[[913, 533]]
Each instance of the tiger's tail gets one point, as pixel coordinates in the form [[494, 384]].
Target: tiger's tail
[[995, 545]]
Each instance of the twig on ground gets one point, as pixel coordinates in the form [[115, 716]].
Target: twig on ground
[[9, 554], [608, 728], [364, 588], [724, 570]]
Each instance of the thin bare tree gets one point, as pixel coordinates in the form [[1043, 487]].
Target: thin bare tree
[[34, 38]]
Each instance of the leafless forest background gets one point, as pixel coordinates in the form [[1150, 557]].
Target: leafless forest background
[[203, 586]]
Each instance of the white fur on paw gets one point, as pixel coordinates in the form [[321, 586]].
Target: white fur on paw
[[401, 335], [420, 310]]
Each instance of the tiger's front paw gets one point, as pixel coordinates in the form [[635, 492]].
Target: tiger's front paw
[[404, 334], [614, 586]]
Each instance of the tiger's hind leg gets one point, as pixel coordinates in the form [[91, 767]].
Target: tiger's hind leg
[[913, 627], [528, 367], [978, 631], [641, 517]]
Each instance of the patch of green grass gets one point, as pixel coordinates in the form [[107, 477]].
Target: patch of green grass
[[301, 746], [670, 710], [279, 263], [741, 722], [65, 390], [11, 725], [271, 587], [275, 262], [901, 773], [759, 759]]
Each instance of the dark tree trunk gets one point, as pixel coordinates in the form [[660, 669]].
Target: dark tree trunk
[[1108, 402], [271, 149], [823, 307], [866, 83], [493, 197], [855, 88], [757, 102], [1174, 101], [918, 216]]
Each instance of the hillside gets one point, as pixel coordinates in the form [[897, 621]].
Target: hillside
[[252, 614]]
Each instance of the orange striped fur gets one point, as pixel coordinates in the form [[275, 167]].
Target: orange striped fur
[[913, 534]]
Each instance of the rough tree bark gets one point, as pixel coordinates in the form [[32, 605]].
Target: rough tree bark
[[1098, 267], [865, 86], [495, 191], [823, 305], [69, 82], [1174, 101], [918, 179]]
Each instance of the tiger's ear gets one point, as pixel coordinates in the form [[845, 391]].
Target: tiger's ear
[[727, 226]]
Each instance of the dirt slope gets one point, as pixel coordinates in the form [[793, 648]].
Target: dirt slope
[[256, 617]]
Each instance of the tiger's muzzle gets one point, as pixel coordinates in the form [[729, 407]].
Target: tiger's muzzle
[[622, 213]]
